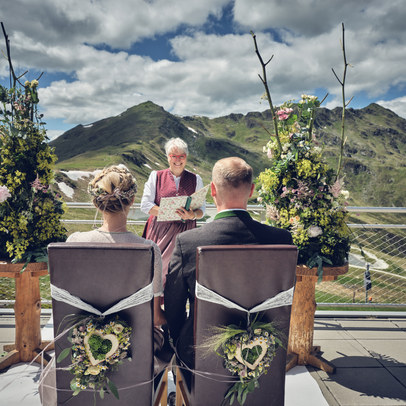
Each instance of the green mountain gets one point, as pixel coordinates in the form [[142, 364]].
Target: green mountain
[[374, 152]]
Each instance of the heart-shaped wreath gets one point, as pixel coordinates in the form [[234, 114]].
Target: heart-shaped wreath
[[246, 353], [99, 345]]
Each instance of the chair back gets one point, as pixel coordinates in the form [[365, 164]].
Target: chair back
[[246, 275], [102, 274]]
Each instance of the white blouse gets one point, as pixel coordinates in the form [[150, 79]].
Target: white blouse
[[148, 198]]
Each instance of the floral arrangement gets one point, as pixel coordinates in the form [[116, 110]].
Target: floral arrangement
[[246, 353], [30, 211], [98, 347], [299, 190]]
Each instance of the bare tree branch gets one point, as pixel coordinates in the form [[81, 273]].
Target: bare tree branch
[[268, 93], [336, 77], [349, 101], [272, 135], [325, 97], [342, 83]]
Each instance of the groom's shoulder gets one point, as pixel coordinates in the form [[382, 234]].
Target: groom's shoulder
[[284, 235]]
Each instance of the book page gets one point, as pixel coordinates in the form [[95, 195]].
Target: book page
[[170, 204]]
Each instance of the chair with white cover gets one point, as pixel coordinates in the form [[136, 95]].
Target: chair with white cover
[[102, 275], [246, 275]]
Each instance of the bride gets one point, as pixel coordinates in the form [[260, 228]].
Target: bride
[[113, 191]]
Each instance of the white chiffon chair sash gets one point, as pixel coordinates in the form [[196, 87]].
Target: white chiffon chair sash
[[281, 299], [141, 296]]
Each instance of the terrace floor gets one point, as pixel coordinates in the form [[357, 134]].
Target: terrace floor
[[368, 352]]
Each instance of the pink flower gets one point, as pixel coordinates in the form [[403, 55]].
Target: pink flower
[[335, 190], [270, 154], [4, 194]]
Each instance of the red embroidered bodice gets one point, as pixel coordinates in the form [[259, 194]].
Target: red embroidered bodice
[[166, 187]]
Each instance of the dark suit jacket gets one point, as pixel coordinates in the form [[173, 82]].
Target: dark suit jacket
[[181, 278]]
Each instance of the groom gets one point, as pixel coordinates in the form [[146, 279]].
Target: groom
[[231, 187]]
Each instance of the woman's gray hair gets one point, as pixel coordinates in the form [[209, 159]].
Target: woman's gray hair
[[176, 143]]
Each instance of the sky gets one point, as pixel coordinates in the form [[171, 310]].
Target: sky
[[197, 57]]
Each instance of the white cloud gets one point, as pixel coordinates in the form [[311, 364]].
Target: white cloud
[[54, 134], [396, 105], [212, 74]]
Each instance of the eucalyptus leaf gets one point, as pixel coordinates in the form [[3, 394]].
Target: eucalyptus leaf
[[63, 354], [113, 389]]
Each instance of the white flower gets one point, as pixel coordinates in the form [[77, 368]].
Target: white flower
[[314, 231], [4, 194], [92, 371], [27, 83], [34, 83], [345, 193], [304, 96], [118, 328]]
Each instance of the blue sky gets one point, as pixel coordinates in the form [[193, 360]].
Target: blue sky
[[197, 58]]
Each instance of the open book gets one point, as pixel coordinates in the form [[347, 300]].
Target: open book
[[168, 205]]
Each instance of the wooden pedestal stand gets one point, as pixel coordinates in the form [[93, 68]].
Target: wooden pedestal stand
[[27, 310], [300, 348]]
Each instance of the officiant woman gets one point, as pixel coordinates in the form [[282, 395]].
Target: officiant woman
[[174, 181]]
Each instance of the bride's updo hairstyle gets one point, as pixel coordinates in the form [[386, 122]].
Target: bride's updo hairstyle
[[113, 189]]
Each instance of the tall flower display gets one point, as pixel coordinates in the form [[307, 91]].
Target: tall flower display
[[30, 211], [299, 190]]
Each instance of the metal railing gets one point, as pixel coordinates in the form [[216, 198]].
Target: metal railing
[[383, 245]]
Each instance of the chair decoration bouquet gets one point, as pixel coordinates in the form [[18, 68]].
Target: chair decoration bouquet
[[301, 193], [99, 346], [247, 353], [30, 211]]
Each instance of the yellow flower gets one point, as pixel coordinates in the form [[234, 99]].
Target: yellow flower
[[268, 179]]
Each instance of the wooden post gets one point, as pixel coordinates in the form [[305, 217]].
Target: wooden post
[[27, 310], [302, 319], [300, 347]]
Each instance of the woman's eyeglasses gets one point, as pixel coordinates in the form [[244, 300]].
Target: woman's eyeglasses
[[175, 157]]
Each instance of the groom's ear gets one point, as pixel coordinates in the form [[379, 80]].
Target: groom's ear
[[252, 190], [213, 189]]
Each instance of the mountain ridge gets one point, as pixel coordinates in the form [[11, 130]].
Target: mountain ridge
[[374, 165]]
